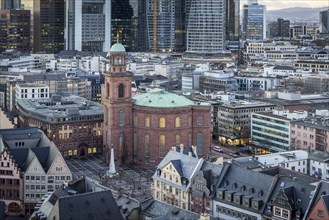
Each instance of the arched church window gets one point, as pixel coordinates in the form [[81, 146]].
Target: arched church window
[[121, 91], [121, 117]]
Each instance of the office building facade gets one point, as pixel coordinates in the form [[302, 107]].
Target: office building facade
[[205, 26], [271, 131], [123, 25], [88, 25], [47, 24], [169, 25], [232, 20], [324, 21], [254, 21], [15, 30], [10, 4]]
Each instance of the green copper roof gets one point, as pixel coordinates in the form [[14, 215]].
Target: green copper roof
[[163, 99], [118, 48]]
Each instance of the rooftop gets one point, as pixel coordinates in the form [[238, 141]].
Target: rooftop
[[118, 48], [55, 110], [163, 99]]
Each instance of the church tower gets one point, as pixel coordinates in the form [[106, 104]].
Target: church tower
[[116, 97]]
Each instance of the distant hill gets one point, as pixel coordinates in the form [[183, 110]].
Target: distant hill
[[296, 14]]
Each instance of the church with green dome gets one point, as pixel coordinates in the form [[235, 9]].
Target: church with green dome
[[142, 129]]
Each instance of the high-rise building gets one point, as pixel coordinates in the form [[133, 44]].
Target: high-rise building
[[283, 28], [324, 21], [205, 25], [10, 4], [279, 28], [254, 21], [15, 30], [47, 24], [170, 25], [88, 25], [123, 26], [141, 34], [232, 20]]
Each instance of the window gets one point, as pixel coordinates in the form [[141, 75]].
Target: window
[[277, 211], [147, 145], [162, 122], [177, 122], [162, 142], [178, 140], [285, 213], [121, 91], [200, 143], [147, 122], [190, 121], [121, 117], [200, 120], [320, 213], [135, 120]]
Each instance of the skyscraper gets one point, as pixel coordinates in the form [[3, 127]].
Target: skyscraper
[[142, 31], [10, 4], [279, 28], [324, 21], [88, 25], [15, 30], [205, 25], [123, 25], [232, 20], [170, 25], [254, 21], [47, 24]]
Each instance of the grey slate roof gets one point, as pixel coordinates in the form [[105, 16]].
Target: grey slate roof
[[178, 166], [303, 192], [32, 143], [247, 182], [95, 205], [158, 210]]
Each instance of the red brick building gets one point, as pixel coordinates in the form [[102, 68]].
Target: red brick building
[[142, 129]]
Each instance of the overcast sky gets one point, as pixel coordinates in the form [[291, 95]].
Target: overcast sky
[[278, 4]]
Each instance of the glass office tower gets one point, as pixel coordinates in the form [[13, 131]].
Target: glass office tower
[[254, 21]]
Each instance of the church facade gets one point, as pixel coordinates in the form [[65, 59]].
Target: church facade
[[142, 129]]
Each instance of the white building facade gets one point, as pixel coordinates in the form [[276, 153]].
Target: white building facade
[[88, 25]]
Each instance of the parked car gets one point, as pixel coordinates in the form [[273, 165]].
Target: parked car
[[217, 148]]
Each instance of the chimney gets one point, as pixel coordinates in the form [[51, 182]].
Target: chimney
[[181, 148], [204, 216]]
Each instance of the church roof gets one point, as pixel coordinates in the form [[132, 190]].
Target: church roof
[[118, 48], [164, 99]]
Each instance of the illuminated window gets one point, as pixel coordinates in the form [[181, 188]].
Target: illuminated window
[[70, 152], [162, 122], [147, 122], [99, 133], [90, 150], [177, 122], [121, 91], [94, 150], [75, 152], [178, 140], [162, 143]]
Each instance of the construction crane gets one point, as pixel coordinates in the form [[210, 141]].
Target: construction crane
[[155, 26]]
